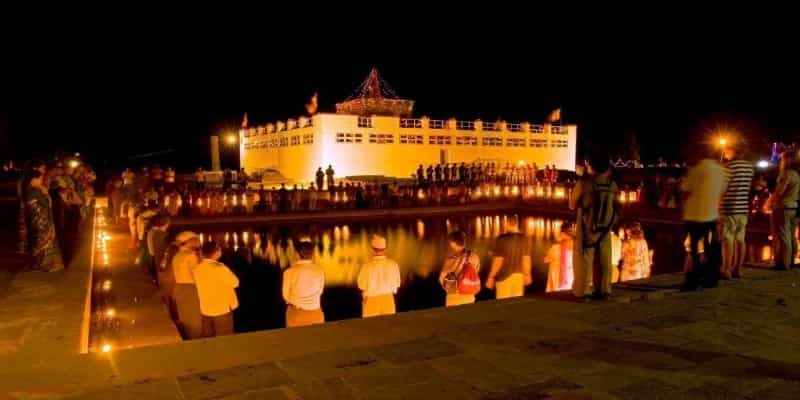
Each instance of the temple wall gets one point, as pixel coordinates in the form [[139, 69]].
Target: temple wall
[[338, 140]]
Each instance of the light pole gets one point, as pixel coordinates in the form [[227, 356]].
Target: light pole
[[230, 140]]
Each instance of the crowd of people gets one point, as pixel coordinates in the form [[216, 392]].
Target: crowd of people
[[716, 201], [479, 182], [54, 200]]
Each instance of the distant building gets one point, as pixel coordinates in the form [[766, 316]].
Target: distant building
[[373, 133]]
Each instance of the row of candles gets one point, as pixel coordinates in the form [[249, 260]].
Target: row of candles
[[486, 192], [105, 317]]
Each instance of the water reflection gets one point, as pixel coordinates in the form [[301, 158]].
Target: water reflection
[[418, 245]]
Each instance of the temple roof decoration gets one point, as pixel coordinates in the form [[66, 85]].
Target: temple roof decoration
[[375, 97]]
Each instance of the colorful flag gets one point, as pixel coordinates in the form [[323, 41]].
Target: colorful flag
[[555, 115], [311, 106]]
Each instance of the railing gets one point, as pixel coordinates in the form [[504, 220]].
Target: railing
[[465, 125], [410, 123], [514, 127], [491, 126], [536, 129], [437, 124]]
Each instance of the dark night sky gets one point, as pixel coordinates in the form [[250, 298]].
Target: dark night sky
[[135, 93]]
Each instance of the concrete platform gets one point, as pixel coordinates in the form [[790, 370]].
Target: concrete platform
[[741, 340]]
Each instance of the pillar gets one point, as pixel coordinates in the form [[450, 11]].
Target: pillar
[[215, 164]]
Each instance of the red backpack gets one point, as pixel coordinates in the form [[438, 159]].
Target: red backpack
[[468, 283]]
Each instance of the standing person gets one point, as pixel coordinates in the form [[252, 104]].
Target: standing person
[[437, 172], [128, 180], [635, 254], [329, 174], [454, 266], [784, 212], [200, 178], [429, 173], [511, 262], [169, 179], [420, 175], [312, 198], [283, 198], [184, 294], [320, 178], [597, 199], [705, 183], [158, 176], [42, 245], [157, 243], [22, 188], [378, 280], [303, 284], [216, 289], [117, 197], [734, 209], [559, 260]]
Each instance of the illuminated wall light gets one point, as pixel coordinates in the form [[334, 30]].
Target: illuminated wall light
[[106, 285], [106, 348], [110, 312]]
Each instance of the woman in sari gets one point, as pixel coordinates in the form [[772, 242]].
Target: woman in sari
[[44, 249], [22, 185]]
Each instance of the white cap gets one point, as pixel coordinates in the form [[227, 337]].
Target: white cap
[[378, 242], [184, 237]]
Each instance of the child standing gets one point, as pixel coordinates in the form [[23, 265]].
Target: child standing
[[635, 254], [559, 260]]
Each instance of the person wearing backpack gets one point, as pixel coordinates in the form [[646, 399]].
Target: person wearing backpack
[[459, 276], [598, 210]]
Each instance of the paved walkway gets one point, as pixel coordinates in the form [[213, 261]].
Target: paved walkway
[[739, 341]]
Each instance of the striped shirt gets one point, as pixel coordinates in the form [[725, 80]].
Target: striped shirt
[[735, 200]]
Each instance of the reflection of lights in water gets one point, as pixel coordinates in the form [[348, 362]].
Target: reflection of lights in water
[[497, 191], [227, 237], [530, 226], [202, 239], [540, 191], [326, 240], [766, 253], [235, 241], [245, 236], [477, 193], [559, 193], [420, 229], [345, 232], [337, 233], [515, 191], [478, 230]]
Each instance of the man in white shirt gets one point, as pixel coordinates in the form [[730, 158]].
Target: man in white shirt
[[303, 284], [184, 294], [378, 280], [216, 286], [705, 183]]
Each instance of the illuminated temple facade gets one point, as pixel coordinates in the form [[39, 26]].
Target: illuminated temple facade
[[373, 134]]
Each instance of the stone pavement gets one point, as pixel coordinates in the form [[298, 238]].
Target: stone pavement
[[738, 341]]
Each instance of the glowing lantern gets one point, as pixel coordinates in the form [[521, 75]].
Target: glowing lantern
[[633, 196], [515, 190], [622, 197], [421, 194], [559, 193]]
